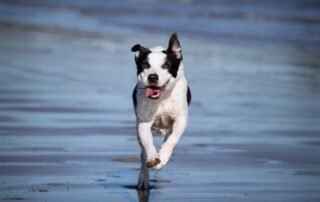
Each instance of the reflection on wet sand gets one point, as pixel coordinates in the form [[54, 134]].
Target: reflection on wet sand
[[143, 195]]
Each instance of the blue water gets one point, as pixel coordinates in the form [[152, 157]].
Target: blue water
[[258, 22]]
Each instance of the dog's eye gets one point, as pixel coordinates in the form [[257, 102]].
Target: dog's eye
[[165, 66], [145, 65]]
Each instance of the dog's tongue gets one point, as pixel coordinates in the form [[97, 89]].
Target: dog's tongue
[[152, 91]]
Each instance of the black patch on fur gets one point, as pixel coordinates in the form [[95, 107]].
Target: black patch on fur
[[175, 63], [172, 57], [143, 55], [188, 96], [134, 96]]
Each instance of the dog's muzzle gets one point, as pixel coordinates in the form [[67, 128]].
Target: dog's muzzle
[[155, 92]]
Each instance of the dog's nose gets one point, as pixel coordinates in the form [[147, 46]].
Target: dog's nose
[[153, 78]]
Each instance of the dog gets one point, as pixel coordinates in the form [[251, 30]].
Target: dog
[[161, 99]]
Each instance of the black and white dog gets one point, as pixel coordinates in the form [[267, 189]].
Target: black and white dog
[[161, 98]]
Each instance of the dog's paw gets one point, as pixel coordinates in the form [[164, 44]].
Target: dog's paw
[[153, 162], [163, 161], [162, 164]]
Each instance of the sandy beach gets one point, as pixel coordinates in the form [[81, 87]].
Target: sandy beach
[[67, 126]]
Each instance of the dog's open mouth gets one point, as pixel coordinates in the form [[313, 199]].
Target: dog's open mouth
[[154, 92]]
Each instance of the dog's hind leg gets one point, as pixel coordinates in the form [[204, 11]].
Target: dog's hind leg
[[143, 181]]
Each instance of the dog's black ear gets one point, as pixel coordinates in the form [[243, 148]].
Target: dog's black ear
[[136, 47], [139, 49], [174, 46]]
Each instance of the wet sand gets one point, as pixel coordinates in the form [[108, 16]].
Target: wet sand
[[67, 123]]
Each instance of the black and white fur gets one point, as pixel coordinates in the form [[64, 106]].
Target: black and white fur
[[166, 110]]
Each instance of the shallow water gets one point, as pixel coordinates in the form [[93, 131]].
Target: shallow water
[[66, 118]]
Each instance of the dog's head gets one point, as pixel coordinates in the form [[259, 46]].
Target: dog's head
[[157, 68]]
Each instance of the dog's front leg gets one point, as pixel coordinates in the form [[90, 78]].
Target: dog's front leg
[[146, 143], [171, 141]]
